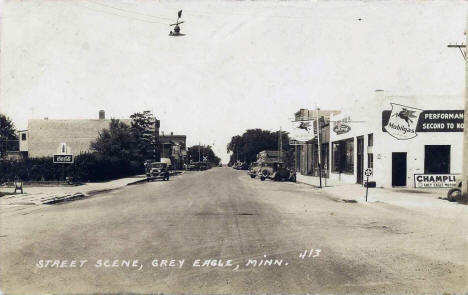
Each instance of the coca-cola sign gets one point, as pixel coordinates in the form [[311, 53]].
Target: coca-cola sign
[[67, 159]]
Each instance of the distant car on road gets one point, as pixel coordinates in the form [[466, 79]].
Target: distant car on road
[[197, 166], [157, 170], [276, 171]]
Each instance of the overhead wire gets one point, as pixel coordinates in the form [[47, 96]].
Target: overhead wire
[[129, 11], [120, 15]]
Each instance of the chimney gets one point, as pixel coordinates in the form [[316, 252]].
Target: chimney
[[102, 115], [379, 95]]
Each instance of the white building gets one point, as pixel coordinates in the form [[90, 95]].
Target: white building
[[400, 138]]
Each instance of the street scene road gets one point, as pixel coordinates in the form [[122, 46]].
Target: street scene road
[[313, 242]]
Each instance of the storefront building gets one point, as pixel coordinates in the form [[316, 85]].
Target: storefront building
[[306, 153], [408, 141]]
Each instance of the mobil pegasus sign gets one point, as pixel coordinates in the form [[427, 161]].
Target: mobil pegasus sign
[[404, 122]]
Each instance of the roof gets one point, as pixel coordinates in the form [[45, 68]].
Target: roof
[[305, 114]]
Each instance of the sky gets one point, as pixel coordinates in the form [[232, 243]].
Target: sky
[[241, 64]]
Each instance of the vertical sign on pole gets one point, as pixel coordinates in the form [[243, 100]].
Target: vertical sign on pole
[[367, 173]]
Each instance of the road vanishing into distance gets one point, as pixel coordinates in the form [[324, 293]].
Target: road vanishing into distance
[[219, 231]]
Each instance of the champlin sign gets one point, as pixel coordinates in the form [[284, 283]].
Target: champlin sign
[[403, 121]]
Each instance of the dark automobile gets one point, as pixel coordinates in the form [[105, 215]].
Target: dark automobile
[[455, 193], [276, 171], [157, 170]]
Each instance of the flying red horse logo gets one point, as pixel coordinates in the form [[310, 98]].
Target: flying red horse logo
[[305, 126], [406, 115]]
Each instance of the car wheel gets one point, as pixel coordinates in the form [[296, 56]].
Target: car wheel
[[262, 178], [252, 176], [453, 194], [293, 178]]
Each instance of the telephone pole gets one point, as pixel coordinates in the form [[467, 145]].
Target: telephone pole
[[280, 146], [319, 154], [462, 49]]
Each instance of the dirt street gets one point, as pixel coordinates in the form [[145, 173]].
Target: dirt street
[[218, 231]]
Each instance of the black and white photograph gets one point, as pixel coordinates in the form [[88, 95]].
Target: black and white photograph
[[233, 147]]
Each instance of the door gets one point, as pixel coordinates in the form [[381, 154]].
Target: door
[[398, 169], [360, 159]]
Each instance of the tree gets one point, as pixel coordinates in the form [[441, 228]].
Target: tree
[[7, 133], [193, 154], [117, 141], [245, 147], [143, 128]]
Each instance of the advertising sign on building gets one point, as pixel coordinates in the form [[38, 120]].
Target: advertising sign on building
[[64, 155], [402, 122], [303, 130], [429, 121], [435, 180], [63, 159], [341, 126]]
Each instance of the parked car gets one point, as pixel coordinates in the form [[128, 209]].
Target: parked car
[[157, 170], [276, 171], [454, 194], [253, 169]]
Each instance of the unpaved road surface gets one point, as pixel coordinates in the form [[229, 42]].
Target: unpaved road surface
[[223, 214]]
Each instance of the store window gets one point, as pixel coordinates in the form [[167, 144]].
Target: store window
[[436, 159], [370, 140], [23, 136], [343, 156], [370, 160]]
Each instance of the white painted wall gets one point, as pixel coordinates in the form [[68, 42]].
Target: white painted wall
[[370, 113]]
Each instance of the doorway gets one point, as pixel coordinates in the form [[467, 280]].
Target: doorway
[[360, 159], [398, 169]]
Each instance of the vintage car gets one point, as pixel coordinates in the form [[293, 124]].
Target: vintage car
[[157, 170], [276, 171], [197, 166], [253, 169], [454, 194], [240, 165]]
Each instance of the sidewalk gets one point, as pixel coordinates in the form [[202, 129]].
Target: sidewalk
[[37, 195], [424, 200]]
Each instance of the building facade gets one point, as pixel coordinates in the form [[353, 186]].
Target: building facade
[[306, 154], [408, 141], [174, 147], [44, 137]]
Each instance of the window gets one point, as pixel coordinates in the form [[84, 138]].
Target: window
[[370, 139], [23, 136], [343, 156], [370, 160], [436, 159]]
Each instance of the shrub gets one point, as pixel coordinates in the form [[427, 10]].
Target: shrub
[[86, 167]]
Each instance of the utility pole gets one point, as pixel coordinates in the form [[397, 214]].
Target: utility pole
[[199, 152], [319, 154], [280, 146], [462, 48]]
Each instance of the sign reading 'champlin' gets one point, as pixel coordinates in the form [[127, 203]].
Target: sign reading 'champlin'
[[403, 121]]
